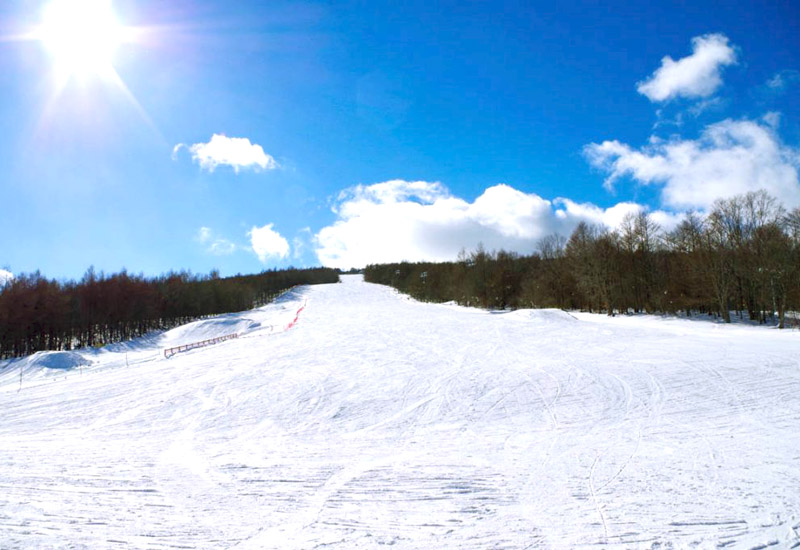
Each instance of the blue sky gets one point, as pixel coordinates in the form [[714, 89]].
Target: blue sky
[[251, 135]]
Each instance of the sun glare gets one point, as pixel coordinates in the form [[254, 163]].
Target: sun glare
[[81, 36]]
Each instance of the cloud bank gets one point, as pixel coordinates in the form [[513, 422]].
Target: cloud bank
[[694, 76], [238, 153], [5, 277], [421, 221], [729, 158], [268, 243]]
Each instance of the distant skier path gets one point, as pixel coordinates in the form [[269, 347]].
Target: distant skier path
[[377, 420]]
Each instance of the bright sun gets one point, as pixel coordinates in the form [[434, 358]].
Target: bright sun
[[82, 36]]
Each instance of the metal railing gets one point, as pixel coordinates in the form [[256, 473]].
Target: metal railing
[[169, 352]]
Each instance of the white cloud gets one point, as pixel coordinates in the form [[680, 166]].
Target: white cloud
[[203, 234], [610, 217], [5, 277], [268, 243], [776, 82], [730, 157], [215, 245], [782, 80], [237, 153], [300, 242], [697, 75], [773, 119], [713, 103], [421, 221], [222, 247]]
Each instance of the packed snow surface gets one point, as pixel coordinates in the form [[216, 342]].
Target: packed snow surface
[[377, 420]]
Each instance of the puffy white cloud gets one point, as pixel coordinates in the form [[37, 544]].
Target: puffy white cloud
[[237, 153], [697, 75], [415, 221], [730, 157], [215, 245], [268, 243], [5, 277], [610, 217]]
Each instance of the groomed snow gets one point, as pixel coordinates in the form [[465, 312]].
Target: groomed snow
[[378, 420]]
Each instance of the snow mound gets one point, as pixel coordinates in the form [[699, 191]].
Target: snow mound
[[62, 360], [207, 329], [40, 366], [545, 316]]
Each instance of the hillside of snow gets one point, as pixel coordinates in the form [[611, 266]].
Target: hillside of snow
[[377, 420], [5, 277]]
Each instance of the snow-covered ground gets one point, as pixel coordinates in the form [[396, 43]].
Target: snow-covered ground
[[5, 277], [378, 420]]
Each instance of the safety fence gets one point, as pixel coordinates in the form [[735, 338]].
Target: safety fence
[[169, 352], [296, 316]]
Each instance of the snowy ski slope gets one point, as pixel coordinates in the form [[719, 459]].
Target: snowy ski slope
[[377, 420]]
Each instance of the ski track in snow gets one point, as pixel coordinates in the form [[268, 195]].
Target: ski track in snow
[[378, 420]]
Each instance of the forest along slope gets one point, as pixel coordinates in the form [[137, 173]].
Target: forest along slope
[[380, 420]]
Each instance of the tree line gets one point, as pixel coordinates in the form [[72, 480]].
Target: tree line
[[743, 256], [39, 314]]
